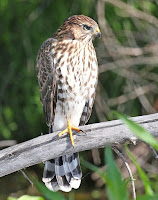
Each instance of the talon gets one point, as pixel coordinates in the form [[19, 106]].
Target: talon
[[83, 132], [64, 131], [69, 130], [76, 129]]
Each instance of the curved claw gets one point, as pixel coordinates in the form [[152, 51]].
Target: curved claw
[[69, 130]]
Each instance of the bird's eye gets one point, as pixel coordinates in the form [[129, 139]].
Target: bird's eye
[[86, 27]]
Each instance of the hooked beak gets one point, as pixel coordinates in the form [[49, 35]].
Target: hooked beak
[[98, 33]]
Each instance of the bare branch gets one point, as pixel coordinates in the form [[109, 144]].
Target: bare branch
[[128, 62], [153, 150], [25, 175], [139, 91], [134, 12], [7, 143], [49, 146]]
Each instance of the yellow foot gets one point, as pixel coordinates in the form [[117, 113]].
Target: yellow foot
[[69, 130]]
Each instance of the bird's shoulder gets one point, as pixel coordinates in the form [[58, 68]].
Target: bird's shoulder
[[46, 47]]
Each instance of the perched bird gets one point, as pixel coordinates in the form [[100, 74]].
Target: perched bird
[[67, 72]]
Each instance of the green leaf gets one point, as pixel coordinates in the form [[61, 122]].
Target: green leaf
[[116, 186], [148, 197], [26, 197], [142, 175], [138, 130], [94, 168], [49, 195], [11, 198]]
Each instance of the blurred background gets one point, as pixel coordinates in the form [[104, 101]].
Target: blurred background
[[128, 77]]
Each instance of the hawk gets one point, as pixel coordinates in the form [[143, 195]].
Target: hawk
[[67, 72]]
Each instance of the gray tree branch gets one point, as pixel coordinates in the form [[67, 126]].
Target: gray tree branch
[[49, 146]]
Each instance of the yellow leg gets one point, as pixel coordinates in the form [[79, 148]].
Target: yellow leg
[[69, 130]]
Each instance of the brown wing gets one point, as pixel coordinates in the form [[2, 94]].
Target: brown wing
[[86, 112], [88, 106], [47, 80]]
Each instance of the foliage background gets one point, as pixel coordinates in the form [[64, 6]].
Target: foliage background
[[128, 80]]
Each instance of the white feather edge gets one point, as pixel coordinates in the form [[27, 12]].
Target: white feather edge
[[49, 186], [46, 180], [75, 183]]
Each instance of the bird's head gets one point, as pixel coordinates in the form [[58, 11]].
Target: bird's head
[[78, 27]]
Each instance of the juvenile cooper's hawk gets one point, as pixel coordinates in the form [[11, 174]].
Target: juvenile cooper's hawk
[[67, 71]]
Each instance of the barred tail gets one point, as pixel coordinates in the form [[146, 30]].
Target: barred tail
[[63, 173]]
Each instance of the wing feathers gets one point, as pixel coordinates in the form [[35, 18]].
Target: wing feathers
[[47, 80]]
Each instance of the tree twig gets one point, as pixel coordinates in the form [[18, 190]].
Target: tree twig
[[134, 12], [120, 154], [25, 175], [7, 143], [153, 150]]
